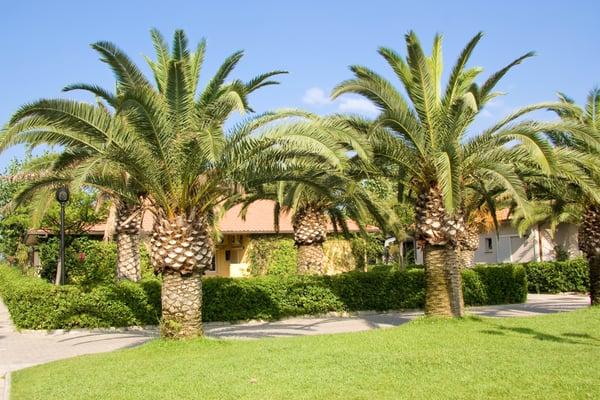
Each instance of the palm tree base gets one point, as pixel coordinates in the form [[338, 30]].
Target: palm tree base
[[443, 296], [594, 265], [181, 305]]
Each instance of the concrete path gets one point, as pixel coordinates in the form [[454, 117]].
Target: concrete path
[[21, 350]]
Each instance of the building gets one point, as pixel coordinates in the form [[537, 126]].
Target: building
[[231, 253], [537, 244]]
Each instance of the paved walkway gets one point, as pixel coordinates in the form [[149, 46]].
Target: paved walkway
[[21, 350]]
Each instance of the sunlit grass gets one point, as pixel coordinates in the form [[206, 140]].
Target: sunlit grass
[[550, 357]]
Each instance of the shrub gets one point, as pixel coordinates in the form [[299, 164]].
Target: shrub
[[272, 255], [232, 299], [36, 304], [556, 277], [88, 262]]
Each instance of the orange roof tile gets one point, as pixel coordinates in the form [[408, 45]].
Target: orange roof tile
[[259, 218]]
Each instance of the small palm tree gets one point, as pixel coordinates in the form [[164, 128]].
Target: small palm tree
[[421, 139], [171, 144], [322, 198]]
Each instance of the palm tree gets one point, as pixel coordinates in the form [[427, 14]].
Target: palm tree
[[172, 145], [321, 198], [572, 194], [421, 138]]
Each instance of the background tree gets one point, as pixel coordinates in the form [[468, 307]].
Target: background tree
[[421, 138], [572, 194]]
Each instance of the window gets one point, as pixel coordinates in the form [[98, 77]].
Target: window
[[489, 245], [213, 264]]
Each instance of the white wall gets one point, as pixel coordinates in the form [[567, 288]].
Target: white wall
[[510, 247]]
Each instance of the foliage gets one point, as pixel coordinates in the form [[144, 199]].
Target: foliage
[[276, 297], [557, 277], [366, 249], [35, 304], [271, 255], [88, 262], [13, 225]]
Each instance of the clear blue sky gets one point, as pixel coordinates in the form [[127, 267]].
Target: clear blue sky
[[45, 44]]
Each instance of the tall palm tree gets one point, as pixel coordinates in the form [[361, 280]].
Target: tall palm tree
[[422, 138], [572, 194], [171, 143]]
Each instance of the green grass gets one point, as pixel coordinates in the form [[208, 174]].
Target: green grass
[[550, 357]]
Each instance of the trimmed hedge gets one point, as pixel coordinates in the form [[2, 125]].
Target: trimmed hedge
[[35, 304], [230, 299], [557, 277]]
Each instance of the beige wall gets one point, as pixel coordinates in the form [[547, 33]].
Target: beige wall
[[237, 245]]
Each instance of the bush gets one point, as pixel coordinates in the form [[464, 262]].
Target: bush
[[88, 262], [36, 304], [556, 277], [231, 299], [272, 255]]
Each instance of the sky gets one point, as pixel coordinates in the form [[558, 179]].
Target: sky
[[45, 45]]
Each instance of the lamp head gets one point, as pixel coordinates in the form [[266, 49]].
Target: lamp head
[[62, 195]]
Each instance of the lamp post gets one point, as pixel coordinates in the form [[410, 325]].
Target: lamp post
[[62, 196]]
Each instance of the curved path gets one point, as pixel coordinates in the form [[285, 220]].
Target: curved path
[[21, 350]]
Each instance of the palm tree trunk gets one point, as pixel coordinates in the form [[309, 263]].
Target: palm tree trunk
[[310, 258], [438, 288], [182, 250], [127, 228], [466, 258], [310, 231], [589, 243], [438, 233], [453, 271], [181, 304], [594, 265]]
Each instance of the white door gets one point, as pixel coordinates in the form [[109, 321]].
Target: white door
[[504, 251]]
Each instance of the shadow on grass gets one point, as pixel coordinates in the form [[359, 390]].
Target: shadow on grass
[[566, 338]]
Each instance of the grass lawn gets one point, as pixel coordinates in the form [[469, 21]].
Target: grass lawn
[[550, 357]]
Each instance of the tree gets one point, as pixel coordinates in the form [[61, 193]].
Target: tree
[[323, 198], [172, 145], [420, 140], [572, 194]]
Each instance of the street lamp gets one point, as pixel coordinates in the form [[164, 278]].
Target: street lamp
[[62, 196]]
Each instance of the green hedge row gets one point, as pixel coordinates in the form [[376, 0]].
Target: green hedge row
[[557, 277], [35, 304], [276, 297]]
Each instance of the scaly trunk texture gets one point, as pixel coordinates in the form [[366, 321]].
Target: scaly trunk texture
[[466, 258], [437, 295], [589, 243], [310, 231], [310, 258], [127, 228], [181, 249], [438, 234], [468, 243]]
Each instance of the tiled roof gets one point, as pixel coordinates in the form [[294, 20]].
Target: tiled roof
[[259, 218]]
